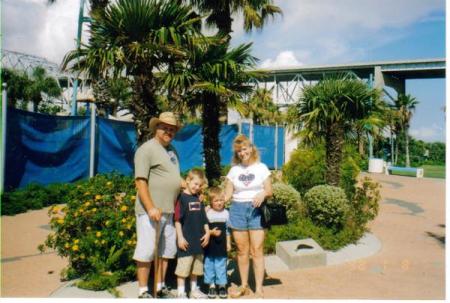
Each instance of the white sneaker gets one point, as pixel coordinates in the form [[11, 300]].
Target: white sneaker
[[197, 294], [182, 296]]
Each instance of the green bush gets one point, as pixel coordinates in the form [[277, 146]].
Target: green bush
[[33, 196], [365, 203], [306, 168], [95, 230], [303, 228], [327, 206], [287, 195]]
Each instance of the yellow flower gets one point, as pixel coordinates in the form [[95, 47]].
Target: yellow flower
[[96, 241], [82, 256], [55, 209], [124, 208], [124, 220], [103, 241], [133, 198], [67, 245], [88, 228], [87, 193], [75, 248], [129, 226], [87, 203], [60, 221], [107, 223], [98, 197], [129, 242], [121, 233], [94, 209], [75, 214], [76, 241], [98, 234], [109, 183]]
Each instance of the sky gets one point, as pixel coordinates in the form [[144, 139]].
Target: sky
[[310, 32]]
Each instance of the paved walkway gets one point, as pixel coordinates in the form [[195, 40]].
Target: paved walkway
[[409, 265]]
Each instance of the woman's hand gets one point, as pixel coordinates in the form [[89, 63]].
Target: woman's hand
[[154, 214], [259, 199], [182, 243]]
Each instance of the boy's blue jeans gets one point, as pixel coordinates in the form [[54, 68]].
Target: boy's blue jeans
[[215, 270]]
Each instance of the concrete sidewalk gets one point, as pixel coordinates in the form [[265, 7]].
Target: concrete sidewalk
[[402, 258]]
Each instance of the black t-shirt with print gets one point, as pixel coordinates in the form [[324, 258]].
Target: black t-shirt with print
[[190, 212]]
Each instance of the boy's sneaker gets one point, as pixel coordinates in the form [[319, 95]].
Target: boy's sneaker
[[182, 296], [223, 294], [197, 294], [212, 293], [164, 293], [145, 295]]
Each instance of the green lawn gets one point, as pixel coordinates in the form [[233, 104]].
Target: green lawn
[[434, 171], [430, 171]]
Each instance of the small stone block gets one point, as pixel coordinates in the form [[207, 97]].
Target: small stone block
[[301, 253]]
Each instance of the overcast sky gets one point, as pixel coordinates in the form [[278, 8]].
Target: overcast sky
[[310, 32]]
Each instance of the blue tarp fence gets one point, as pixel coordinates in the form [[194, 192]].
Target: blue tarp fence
[[53, 149]]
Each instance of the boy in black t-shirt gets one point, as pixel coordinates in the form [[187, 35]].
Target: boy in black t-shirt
[[220, 243], [192, 234]]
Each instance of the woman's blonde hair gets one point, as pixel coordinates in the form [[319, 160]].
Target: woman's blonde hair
[[195, 172], [242, 140]]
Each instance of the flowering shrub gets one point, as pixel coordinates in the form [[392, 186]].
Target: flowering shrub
[[95, 230]]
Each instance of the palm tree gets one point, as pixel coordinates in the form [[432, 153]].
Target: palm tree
[[256, 13], [261, 108], [329, 111], [41, 86], [405, 105], [135, 39], [214, 76]]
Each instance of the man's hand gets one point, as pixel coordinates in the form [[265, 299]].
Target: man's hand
[[182, 243], [204, 240], [215, 232], [154, 214]]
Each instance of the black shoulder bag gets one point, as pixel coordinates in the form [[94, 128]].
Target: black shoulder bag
[[273, 213]]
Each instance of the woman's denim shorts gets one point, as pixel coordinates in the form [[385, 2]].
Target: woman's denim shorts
[[244, 216]]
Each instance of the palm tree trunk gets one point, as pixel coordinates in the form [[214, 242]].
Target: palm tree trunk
[[407, 148], [334, 141], [143, 106], [211, 143]]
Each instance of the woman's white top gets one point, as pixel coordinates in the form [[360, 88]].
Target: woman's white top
[[247, 181]]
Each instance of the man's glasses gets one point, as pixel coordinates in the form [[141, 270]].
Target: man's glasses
[[167, 128]]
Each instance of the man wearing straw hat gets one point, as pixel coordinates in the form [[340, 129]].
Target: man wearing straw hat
[[158, 182]]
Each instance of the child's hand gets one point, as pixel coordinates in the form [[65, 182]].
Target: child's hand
[[207, 208], [216, 232], [183, 244], [204, 240]]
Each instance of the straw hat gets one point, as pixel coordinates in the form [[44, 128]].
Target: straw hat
[[165, 117]]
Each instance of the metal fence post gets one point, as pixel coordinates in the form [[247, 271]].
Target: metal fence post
[[92, 144], [3, 140]]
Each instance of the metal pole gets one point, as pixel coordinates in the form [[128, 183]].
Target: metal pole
[[3, 140], [75, 83], [276, 147], [92, 149]]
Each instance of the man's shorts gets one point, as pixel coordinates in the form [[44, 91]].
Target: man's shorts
[[244, 216], [189, 265], [145, 231]]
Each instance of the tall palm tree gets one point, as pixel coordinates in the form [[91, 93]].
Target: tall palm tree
[[405, 105], [256, 13], [329, 111], [214, 76], [135, 39]]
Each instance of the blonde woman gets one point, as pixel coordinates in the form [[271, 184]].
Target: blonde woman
[[248, 184]]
